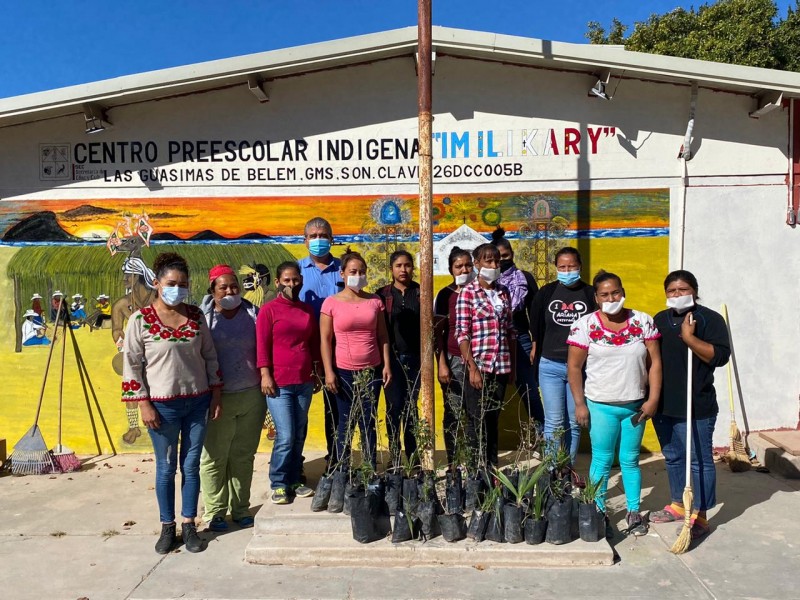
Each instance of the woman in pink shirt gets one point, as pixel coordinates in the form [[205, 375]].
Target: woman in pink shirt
[[355, 319], [287, 342]]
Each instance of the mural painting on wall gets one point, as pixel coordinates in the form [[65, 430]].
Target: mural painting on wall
[[97, 256]]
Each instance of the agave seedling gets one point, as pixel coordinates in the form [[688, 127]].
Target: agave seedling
[[527, 479]]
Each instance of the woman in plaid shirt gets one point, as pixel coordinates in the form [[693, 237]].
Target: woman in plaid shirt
[[485, 335]]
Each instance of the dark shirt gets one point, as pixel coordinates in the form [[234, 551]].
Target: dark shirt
[[445, 311], [710, 327], [555, 308], [402, 316], [521, 316]]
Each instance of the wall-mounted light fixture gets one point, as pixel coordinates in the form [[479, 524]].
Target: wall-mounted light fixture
[[95, 116], [256, 87], [598, 90], [766, 102]]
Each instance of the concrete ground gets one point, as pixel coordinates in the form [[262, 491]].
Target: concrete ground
[[91, 534]]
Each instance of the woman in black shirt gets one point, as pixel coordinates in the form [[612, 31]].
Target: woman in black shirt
[[401, 300], [707, 335]]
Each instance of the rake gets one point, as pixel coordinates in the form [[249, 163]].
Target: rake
[[31, 456]]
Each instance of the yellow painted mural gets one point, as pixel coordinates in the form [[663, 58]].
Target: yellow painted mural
[[71, 247]]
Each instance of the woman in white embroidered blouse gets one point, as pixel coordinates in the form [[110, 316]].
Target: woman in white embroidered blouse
[[171, 370], [619, 347]]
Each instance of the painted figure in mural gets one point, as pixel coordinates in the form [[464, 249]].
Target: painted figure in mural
[[33, 330], [139, 292], [101, 314], [78, 312], [171, 371], [523, 287], [401, 309], [321, 275], [36, 306], [226, 465], [256, 281], [555, 308], [56, 300], [288, 357], [448, 353], [486, 338], [684, 324], [619, 348], [362, 358]]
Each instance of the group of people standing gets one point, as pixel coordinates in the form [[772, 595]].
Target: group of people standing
[[201, 374]]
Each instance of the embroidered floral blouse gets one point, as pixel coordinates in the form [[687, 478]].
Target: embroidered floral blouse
[[616, 365], [162, 363]]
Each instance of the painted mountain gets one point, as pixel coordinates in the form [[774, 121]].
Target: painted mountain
[[39, 227]]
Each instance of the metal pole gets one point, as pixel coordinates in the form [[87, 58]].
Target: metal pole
[[425, 230]]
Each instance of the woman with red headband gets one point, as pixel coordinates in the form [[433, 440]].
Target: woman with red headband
[[226, 466]]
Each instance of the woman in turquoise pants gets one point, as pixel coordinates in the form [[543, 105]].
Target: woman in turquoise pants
[[619, 347]]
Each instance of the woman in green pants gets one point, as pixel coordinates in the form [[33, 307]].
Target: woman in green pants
[[226, 466]]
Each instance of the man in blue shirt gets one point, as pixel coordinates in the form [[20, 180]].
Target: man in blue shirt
[[322, 278]]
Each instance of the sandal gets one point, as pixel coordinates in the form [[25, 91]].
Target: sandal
[[666, 515], [699, 528]]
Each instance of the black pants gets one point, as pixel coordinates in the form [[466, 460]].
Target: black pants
[[483, 417], [331, 425]]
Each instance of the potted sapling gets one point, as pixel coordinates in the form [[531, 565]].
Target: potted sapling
[[591, 521], [517, 491], [559, 513], [494, 505], [535, 521]]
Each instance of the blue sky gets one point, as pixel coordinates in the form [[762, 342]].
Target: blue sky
[[47, 44]]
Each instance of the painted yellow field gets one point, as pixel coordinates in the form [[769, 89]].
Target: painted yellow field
[[640, 262]]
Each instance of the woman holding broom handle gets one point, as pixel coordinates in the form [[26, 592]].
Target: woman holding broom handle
[[688, 324], [170, 368]]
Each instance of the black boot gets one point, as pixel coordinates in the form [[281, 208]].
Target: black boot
[[191, 540], [166, 541]]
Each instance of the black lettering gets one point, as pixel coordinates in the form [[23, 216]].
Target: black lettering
[[173, 149], [80, 153]]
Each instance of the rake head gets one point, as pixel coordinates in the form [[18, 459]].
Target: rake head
[[31, 456]]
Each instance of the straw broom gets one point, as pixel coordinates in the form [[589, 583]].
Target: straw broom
[[681, 545], [737, 457], [64, 458]]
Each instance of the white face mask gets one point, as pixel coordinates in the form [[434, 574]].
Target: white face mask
[[465, 278], [612, 308], [357, 282], [680, 304], [489, 275], [230, 302]]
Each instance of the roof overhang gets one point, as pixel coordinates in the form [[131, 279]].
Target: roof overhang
[[249, 69]]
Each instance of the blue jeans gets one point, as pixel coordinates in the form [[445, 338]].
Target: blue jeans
[[671, 434], [526, 381], [358, 411], [609, 424], [559, 406], [185, 419], [401, 404], [289, 411]]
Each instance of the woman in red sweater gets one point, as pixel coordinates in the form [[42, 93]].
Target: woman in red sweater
[[287, 340]]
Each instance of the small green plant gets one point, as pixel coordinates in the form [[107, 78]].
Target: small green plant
[[527, 480], [591, 493], [539, 503], [560, 489]]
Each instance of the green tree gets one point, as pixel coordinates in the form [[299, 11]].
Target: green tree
[[744, 32]]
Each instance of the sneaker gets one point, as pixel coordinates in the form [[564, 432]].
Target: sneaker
[[218, 524], [279, 496], [245, 522], [191, 541], [166, 541], [302, 491], [636, 525]]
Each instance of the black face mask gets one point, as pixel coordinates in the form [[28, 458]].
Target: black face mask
[[505, 265]]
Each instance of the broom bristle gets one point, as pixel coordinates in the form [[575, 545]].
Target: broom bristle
[[684, 540], [737, 458], [65, 460]]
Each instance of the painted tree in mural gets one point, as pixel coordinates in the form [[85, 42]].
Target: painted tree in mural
[[387, 228]]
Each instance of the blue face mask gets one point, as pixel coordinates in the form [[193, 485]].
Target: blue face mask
[[319, 247], [569, 277], [174, 295]]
